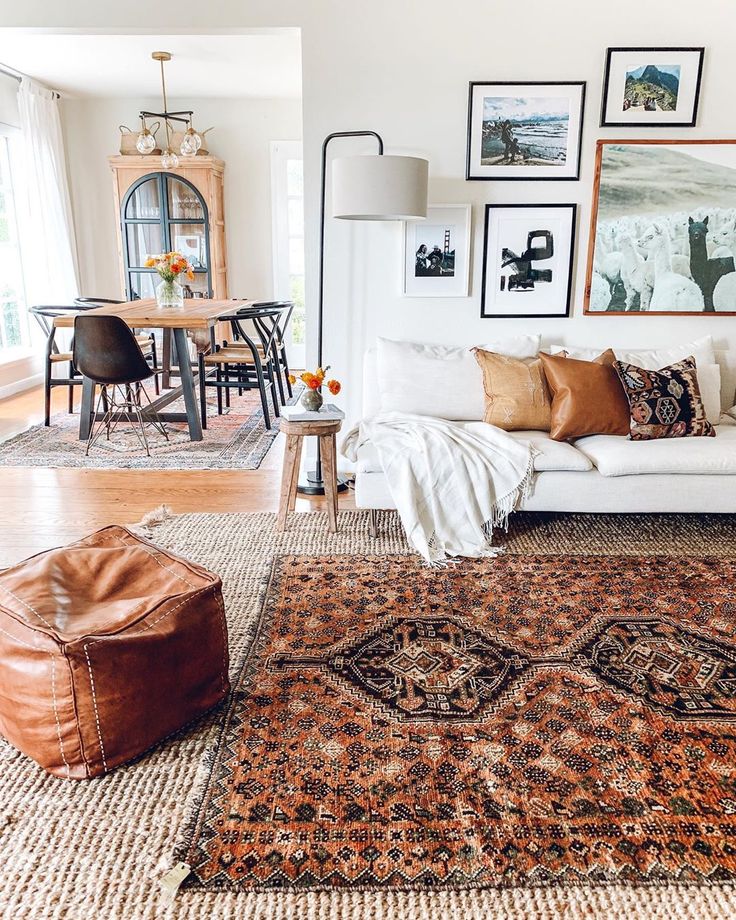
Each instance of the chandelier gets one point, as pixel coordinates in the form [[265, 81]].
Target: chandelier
[[191, 141]]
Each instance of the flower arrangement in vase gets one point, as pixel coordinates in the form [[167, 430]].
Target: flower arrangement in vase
[[169, 265], [312, 397]]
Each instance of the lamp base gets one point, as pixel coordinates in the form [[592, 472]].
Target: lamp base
[[314, 484]]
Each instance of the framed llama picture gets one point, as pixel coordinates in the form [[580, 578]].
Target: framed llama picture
[[663, 228], [437, 252], [524, 130], [651, 87], [527, 260]]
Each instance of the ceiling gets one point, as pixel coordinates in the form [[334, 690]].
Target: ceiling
[[257, 64]]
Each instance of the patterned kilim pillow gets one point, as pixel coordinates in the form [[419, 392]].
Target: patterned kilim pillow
[[664, 403]]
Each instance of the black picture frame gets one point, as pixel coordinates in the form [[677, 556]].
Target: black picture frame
[[573, 208], [526, 178], [605, 123]]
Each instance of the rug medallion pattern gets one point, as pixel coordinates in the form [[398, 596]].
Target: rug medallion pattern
[[525, 720]]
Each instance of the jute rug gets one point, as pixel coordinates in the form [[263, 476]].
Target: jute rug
[[238, 439], [584, 686]]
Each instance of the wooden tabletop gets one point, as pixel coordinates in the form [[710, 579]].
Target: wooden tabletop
[[197, 313]]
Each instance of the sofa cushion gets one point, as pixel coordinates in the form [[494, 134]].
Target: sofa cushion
[[517, 396], [664, 403], [650, 358], [436, 379], [551, 455], [587, 397], [617, 456]]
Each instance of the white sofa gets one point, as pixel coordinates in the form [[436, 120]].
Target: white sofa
[[601, 473]]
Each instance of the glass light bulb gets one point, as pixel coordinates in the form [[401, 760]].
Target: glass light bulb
[[145, 143], [169, 160], [190, 144]]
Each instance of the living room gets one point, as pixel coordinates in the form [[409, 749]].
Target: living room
[[368, 545]]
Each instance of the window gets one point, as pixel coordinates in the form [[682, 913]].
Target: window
[[13, 314], [287, 181]]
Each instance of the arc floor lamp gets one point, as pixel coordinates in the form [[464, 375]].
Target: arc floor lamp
[[368, 187]]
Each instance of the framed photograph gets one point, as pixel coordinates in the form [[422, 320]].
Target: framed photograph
[[437, 252], [663, 228], [651, 87], [525, 130], [527, 260]]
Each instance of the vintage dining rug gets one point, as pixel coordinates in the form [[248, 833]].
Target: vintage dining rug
[[238, 439], [543, 735]]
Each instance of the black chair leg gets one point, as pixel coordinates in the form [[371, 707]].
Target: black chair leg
[[287, 372], [47, 395], [274, 394], [219, 390], [279, 379], [227, 389], [70, 389], [154, 362], [202, 390], [264, 400]]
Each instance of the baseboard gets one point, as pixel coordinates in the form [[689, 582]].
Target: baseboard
[[18, 386]]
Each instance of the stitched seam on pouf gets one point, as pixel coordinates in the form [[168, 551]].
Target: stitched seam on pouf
[[20, 641], [94, 703], [166, 567], [56, 714], [32, 609]]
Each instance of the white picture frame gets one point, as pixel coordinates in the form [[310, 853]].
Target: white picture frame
[[448, 227]]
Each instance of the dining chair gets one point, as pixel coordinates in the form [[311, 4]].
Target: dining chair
[[247, 364], [147, 341], [278, 314], [106, 351]]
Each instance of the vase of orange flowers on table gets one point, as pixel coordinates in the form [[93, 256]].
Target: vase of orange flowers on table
[[170, 265], [312, 396]]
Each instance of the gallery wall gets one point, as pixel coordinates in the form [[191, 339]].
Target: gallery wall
[[403, 69], [241, 137]]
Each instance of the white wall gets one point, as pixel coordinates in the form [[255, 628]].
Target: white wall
[[403, 69], [243, 131]]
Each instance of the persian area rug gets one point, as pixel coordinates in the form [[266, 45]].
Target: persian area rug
[[513, 739], [238, 439]]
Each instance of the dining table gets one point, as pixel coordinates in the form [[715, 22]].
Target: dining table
[[197, 313]]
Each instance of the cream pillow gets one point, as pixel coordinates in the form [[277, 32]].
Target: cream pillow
[[651, 359], [437, 379]]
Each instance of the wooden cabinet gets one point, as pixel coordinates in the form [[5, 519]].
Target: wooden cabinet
[[163, 210]]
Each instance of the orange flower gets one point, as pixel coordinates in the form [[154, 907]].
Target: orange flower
[[149, 263], [333, 386], [292, 379], [307, 377], [314, 383], [320, 374]]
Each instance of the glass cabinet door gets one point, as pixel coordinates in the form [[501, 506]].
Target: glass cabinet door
[[165, 213]]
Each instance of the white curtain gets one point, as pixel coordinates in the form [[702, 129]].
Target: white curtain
[[48, 246]]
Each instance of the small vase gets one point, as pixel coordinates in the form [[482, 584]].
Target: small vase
[[170, 294], [312, 400]]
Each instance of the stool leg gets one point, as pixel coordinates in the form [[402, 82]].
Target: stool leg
[[329, 475], [289, 477]]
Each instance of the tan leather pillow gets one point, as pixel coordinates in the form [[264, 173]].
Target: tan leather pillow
[[517, 397], [587, 397]]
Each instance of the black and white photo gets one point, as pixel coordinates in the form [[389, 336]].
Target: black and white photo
[[437, 253], [527, 260]]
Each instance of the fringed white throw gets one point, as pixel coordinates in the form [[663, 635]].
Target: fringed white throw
[[452, 482]]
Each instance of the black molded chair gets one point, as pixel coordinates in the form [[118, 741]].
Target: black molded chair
[[106, 351], [146, 340], [247, 364]]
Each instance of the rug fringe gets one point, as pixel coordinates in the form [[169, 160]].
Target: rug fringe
[[156, 517]]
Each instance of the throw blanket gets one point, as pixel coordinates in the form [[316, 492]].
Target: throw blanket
[[452, 482]]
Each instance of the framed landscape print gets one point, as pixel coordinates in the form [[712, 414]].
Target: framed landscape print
[[437, 252], [524, 130], [527, 260], [663, 228], [651, 87]]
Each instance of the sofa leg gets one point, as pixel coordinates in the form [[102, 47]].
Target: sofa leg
[[373, 523]]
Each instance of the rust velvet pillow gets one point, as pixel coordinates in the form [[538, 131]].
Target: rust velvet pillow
[[517, 398], [587, 397]]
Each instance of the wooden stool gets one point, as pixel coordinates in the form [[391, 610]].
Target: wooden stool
[[295, 433]]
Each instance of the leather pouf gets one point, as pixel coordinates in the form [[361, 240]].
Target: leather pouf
[[106, 647]]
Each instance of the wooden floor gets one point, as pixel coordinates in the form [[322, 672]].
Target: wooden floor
[[41, 508]]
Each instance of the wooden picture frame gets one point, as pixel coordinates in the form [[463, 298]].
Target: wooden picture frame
[[526, 106], [686, 89], [654, 235], [525, 225]]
